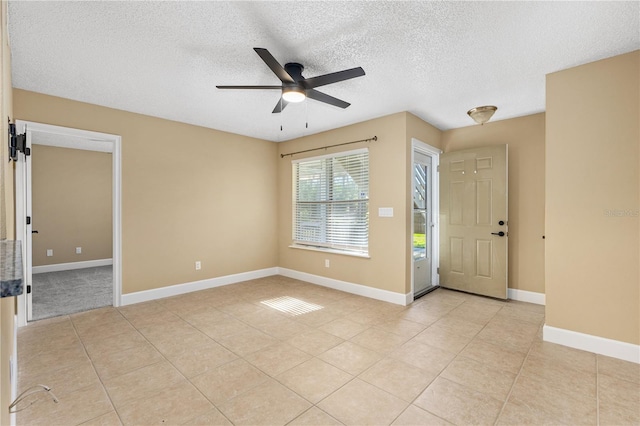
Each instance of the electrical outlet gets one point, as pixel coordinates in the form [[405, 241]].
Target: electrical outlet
[[198, 265], [78, 250], [49, 252], [327, 263]]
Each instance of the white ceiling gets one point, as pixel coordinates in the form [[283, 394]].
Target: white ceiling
[[433, 59]]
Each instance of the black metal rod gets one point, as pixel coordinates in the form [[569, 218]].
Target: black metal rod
[[375, 138]]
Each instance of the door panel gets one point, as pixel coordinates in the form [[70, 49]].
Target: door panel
[[473, 201], [484, 250], [483, 203], [457, 255], [457, 203]]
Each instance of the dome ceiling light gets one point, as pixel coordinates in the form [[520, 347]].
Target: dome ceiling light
[[482, 114]]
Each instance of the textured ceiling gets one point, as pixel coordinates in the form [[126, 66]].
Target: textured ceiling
[[433, 59]]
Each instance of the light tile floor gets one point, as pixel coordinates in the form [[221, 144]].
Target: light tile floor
[[220, 357]]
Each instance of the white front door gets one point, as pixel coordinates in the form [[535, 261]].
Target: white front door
[[473, 221], [423, 224]]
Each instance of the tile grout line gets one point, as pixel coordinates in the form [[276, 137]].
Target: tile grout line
[[172, 365], [169, 361], [283, 341], [353, 376], [465, 346], [239, 357], [163, 355], [242, 357], [449, 363], [75, 330], [434, 379], [513, 385], [357, 376]]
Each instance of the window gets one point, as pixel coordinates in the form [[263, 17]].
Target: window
[[331, 202]]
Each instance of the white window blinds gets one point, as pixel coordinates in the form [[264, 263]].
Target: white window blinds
[[331, 201]]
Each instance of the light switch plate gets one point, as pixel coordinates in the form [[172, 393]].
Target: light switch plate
[[385, 212]]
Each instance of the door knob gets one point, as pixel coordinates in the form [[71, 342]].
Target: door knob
[[34, 232], [499, 234]]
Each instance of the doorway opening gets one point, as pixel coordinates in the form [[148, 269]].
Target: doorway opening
[[424, 228], [70, 274]]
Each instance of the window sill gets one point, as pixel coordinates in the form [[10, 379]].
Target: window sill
[[328, 250]]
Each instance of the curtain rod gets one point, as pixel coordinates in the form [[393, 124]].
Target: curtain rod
[[375, 138]]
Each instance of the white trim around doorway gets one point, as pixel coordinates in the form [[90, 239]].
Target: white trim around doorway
[[78, 139], [434, 153]]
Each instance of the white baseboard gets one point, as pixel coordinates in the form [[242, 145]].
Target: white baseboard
[[175, 290], [526, 296], [70, 266], [360, 290], [587, 342], [408, 299]]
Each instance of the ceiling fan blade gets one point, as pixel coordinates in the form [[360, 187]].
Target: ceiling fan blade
[[322, 80], [274, 65], [323, 97], [250, 87], [280, 106]]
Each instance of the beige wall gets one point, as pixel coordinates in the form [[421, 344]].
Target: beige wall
[[188, 193], [592, 192], [7, 215], [388, 177], [71, 204], [526, 139]]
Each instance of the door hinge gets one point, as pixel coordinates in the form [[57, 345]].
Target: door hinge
[[28, 289], [28, 220], [17, 142], [438, 168], [438, 271]]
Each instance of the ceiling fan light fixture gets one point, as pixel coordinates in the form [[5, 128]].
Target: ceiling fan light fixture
[[482, 114], [293, 94]]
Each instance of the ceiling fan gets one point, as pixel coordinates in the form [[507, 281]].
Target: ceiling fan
[[295, 88]]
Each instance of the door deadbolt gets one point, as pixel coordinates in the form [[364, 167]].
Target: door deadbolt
[[501, 223]]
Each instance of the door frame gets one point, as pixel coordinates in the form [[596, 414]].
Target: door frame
[[66, 137], [434, 153]]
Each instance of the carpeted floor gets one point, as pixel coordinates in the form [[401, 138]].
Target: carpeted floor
[[68, 292]]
